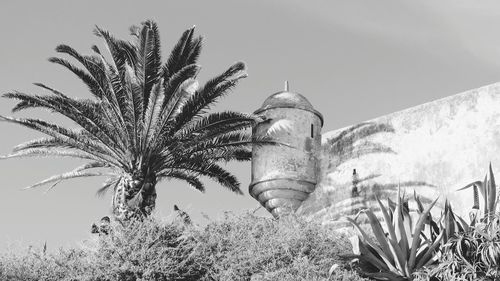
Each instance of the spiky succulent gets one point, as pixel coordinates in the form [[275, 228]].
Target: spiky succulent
[[488, 190], [405, 248]]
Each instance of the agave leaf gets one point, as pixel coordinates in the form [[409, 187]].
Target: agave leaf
[[400, 229], [449, 222], [423, 249], [476, 198], [366, 240], [484, 191], [367, 255], [416, 234], [387, 219], [470, 185], [407, 269], [381, 238], [491, 192], [420, 206], [463, 224], [360, 230], [429, 254], [407, 223], [430, 223], [399, 257], [459, 223]]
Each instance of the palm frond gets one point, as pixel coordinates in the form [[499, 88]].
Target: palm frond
[[98, 82], [79, 112], [225, 154], [44, 142], [152, 112], [184, 53], [52, 151], [55, 92], [76, 173], [134, 97], [229, 138], [71, 138], [174, 82], [209, 94], [91, 83], [220, 121], [169, 108], [110, 182], [121, 51], [190, 178], [212, 171], [93, 66], [149, 58]]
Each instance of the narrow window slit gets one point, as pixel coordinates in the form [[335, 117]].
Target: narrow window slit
[[312, 131]]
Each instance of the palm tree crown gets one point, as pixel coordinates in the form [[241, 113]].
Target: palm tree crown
[[147, 120]]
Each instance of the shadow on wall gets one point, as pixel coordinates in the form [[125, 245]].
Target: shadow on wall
[[364, 196], [354, 142], [348, 198]]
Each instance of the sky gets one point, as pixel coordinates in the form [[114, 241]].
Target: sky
[[353, 60]]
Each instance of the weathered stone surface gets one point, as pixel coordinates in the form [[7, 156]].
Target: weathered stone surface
[[438, 147], [284, 175]]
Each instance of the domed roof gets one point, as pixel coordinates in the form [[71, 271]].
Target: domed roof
[[286, 99]]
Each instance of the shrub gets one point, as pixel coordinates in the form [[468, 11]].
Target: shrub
[[242, 247], [472, 250], [472, 255], [145, 250], [35, 264]]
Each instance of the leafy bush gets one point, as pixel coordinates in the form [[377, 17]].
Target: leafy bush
[[472, 255], [36, 265], [246, 246], [472, 250], [243, 247], [141, 251]]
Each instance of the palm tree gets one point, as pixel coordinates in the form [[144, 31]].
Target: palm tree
[[147, 120]]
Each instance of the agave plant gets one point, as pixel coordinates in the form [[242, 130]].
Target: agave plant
[[147, 120], [488, 190], [401, 248]]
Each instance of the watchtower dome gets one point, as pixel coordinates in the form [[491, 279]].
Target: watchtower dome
[[283, 176]]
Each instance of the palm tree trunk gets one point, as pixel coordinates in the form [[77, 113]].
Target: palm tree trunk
[[134, 197]]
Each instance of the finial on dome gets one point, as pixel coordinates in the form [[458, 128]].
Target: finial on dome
[[286, 85]]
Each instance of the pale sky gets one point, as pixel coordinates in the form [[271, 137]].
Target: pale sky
[[354, 61]]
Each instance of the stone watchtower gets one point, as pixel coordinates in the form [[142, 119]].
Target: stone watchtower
[[283, 176]]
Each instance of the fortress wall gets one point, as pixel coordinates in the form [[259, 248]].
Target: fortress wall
[[438, 147]]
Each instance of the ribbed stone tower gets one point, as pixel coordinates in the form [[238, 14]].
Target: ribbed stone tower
[[283, 176]]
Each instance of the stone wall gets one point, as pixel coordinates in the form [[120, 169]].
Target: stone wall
[[434, 149]]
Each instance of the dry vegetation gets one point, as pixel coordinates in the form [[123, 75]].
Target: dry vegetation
[[236, 248]]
